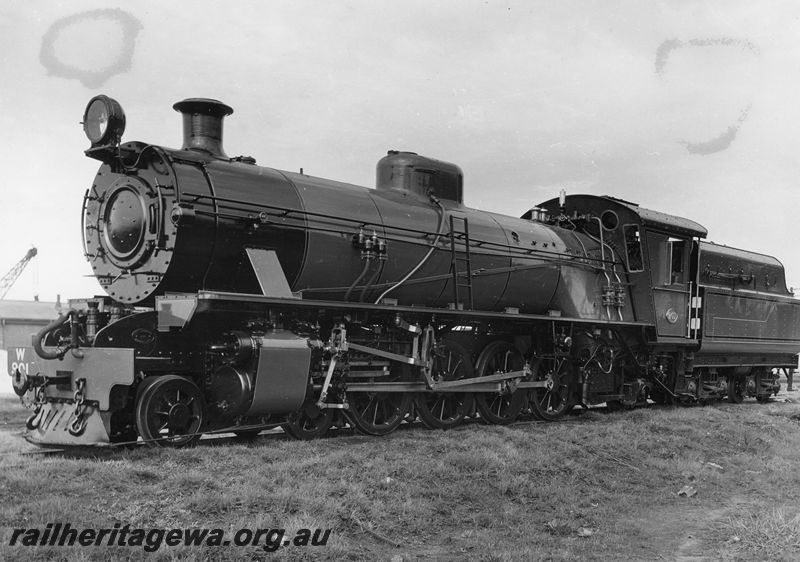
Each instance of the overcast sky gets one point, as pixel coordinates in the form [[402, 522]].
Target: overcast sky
[[689, 108]]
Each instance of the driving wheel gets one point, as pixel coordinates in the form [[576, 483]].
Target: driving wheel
[[496, 358], [443, 410]]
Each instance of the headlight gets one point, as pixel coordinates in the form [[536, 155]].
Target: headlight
[[103, 121]]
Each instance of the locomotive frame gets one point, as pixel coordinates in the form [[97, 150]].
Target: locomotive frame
[[242, 297]]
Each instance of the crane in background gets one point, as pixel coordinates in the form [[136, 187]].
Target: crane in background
[[9, 278]]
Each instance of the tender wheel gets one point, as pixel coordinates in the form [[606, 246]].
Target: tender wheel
[[448, 409], [169, 411], [309, 422], [554, 400], [762, 383], [737, 389], [496, 358]]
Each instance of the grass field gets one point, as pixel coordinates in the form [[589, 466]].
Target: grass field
[[597, 486]]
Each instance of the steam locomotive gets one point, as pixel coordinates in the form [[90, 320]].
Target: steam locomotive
[[241, 297]]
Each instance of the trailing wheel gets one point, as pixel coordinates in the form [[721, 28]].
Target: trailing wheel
[[309, 422], [496, 358], [446, 409], [554, 400], [170, 411]]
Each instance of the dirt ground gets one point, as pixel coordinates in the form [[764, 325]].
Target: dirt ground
[[688, 527]]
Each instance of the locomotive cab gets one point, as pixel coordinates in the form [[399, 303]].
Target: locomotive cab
[[656, 249], [671, 284]]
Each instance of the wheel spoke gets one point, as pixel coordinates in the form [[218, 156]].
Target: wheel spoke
[[441, 401], [363, 414], [375, 409]]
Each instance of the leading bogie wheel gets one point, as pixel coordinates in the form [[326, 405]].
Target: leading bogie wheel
[[443, 410], [170, 411], [496, 358], [310, 422]]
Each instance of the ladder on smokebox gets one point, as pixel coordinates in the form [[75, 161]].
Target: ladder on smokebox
[[455, 260]]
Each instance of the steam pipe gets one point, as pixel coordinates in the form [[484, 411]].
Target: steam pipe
[[603, 257], [603, 245], [38, 338], [368, 286], [367, 263], [422, 262]]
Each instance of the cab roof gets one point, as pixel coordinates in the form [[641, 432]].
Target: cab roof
[[655, 220], [663, 221]]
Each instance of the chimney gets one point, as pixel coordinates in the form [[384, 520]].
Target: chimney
[[202, 124]]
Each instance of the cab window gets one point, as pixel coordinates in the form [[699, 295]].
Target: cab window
[[677, 250], [633, 247], [668, 259]]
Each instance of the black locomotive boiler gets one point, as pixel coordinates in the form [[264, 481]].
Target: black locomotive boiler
[[241, 297]]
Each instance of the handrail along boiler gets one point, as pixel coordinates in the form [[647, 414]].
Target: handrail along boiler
[[240, 296]]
